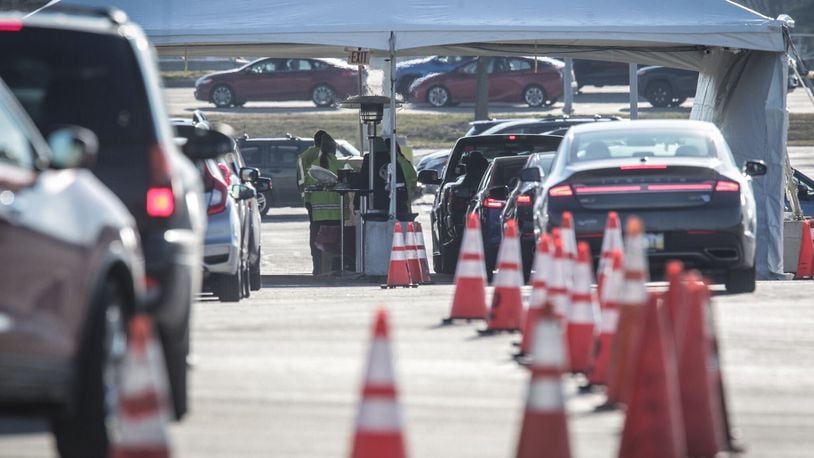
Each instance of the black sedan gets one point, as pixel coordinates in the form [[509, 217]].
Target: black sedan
[[489, 201], [666, 87], [678, 176], [463, 173]]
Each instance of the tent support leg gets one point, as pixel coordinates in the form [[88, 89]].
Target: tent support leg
[[634, 91], [393, 162], [568, 91]]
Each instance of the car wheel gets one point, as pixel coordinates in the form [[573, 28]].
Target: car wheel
[[81, 430], [222, 96], [229, 288], [438, 96], [740, 281], [659, 94], [264, 202], [254, 273], [535, 96], [323, 96], [449, 260]]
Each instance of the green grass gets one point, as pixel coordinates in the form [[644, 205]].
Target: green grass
[[429, 130]]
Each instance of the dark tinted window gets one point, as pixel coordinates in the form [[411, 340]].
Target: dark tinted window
[[253, 156], [497, 146], [285, 154]]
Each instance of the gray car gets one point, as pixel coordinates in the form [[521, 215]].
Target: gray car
[[72, 273]]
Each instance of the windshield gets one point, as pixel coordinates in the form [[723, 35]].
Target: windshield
[[490, 147], [593, 146]]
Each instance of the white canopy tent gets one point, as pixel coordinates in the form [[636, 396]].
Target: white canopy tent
[[740, 54]]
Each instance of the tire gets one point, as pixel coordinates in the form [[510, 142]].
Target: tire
[[438, 96], [255, 280], [265, 205], [81, 430], [323, 96], [535, 96], [229, 288], [449, 260], [222, 96], [659, 94], [740, 281], [246, 288]]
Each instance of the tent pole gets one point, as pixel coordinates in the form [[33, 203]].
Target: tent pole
[[634, 91], [568, 92], [393, 145]]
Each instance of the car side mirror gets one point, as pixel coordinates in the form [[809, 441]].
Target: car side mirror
[[429, 177], [242, 192], [499, 193], [262, 184], [249, 174], [203, 144], [755, 168], [73, 146], [531, 174]]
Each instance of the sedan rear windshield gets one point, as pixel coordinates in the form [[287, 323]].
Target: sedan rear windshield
[[593, 146], [497, 146]]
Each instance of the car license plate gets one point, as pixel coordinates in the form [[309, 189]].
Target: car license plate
[[655, 242]]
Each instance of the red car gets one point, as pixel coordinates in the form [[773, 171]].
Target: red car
[[323, 81], [511, 79]]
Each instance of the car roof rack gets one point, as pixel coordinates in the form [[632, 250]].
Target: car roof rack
[[114, 15]]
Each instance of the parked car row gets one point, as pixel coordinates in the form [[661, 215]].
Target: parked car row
[[678, 176], [102, 215]]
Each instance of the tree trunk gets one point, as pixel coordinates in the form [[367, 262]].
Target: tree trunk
[[482, 94]]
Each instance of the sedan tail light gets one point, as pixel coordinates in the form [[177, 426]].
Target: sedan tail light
[[523, 200], [160, 196], [561, 191], [160, 202], [490, 202], [727, 186], [227, 174], [218, 192]]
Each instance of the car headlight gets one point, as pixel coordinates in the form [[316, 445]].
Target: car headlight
[[203, 80]]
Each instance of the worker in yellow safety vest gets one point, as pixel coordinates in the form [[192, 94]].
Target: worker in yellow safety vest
[[325, 205], [304, 161]]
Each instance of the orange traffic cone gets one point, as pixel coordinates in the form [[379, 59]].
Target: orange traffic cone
[[379, 423], [469, 302], [507, 311], [700, 400], [422, 255], [609, 302], [634, 298], [542, 266], [582, 315], [611, 240], [675, 300], [398, 274], [805, 262], [653, 422], [140, 424], [413, 264], [559, 281], [545, 429], [569, 241]]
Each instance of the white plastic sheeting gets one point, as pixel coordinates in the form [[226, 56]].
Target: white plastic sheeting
[[739, 53]]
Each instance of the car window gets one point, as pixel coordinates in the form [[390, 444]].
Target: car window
[[317, 64], [470, 68], [15, 148], [517, 65], [284, 154], [253, 155], [265, 66], [498, 65], [640, 144]]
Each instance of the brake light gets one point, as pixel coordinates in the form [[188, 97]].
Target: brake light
[[512, 138], [607, 189], [727, 186], [227, 174], [643, 167], [160, 202], [11, 25], [217, 194], [523, 200], [561, 191], [490, 202], [680, 187]]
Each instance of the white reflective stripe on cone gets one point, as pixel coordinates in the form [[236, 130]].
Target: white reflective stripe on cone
[[548, 348], [561, 303], [380, 368], [470, 268], [545, 396], [538, 297], [508, 278], [422, 254], [610, 319], [635, 293], [509, 251], [472, 242], [398, 255], [581, 313], [147, 431], [379, 415]]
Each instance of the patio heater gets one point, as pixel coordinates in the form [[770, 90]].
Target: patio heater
[[372, 233]]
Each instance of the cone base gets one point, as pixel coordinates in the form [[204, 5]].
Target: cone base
[[544, 435], [378, 444]]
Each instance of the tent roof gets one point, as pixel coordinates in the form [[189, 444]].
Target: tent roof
[[421, 27]]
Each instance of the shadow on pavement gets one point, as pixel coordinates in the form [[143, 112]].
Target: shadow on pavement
[[285, 218], [23, 425]]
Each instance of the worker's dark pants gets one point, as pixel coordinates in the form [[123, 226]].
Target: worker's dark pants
[[316, 254]]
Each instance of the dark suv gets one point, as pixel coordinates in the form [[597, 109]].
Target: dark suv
[[467, 163], [96, 70], [276, 158]]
